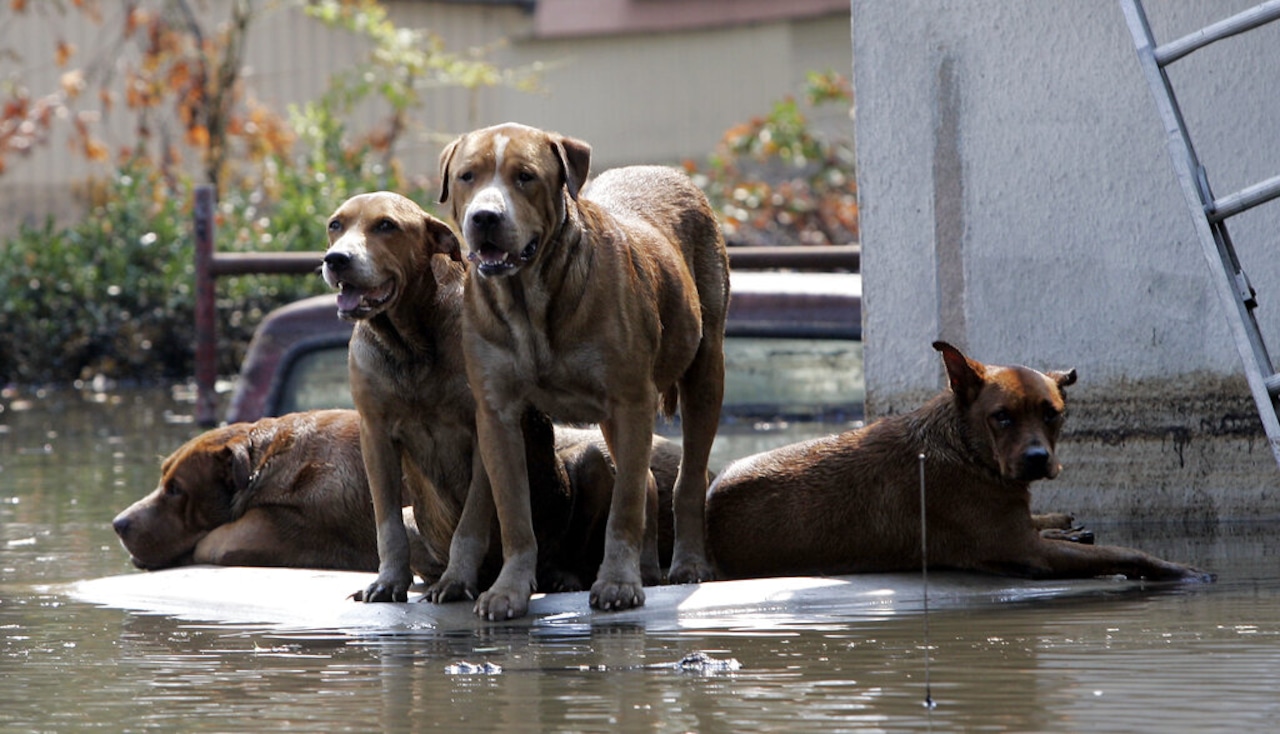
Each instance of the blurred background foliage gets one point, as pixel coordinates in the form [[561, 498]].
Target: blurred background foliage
[[113, 294], [774, 181]]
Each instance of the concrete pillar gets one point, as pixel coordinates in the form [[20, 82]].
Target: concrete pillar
[[1017, 199]]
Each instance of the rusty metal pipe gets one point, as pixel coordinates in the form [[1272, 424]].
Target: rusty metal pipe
[[206, 311]]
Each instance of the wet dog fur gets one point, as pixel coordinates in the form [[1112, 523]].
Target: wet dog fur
[[291, 492], [400, 279], [287, 491], [850, 503], [594, 305]]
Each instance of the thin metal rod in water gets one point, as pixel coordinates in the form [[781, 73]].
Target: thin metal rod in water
[[924, 578]]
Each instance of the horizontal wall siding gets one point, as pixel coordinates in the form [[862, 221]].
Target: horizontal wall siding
[[635, 98]]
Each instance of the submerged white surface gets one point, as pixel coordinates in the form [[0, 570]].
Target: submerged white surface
[[309, 599]]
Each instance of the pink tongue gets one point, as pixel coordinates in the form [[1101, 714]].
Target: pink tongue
[[348, 299]]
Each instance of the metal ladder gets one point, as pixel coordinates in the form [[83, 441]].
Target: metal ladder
[[1210, 214]]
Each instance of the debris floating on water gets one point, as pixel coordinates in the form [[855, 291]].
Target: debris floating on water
[[462, 667], [700, 662], [694, 662]]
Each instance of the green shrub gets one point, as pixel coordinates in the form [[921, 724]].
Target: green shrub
[[774, 181], [110, 294]]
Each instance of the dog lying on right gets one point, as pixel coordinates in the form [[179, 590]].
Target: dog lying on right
[[850, 503]]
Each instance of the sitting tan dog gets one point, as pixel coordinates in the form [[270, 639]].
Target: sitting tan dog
[[400, 279], [850, 503], [287, 491], [594, 306]]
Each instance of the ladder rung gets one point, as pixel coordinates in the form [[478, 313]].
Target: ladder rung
[[1273, 385], [1239, 23], [1244, 199]]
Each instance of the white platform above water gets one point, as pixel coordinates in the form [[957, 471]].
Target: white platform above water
[[319, 600]]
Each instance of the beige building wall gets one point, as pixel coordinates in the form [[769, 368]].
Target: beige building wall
[[654, 96]]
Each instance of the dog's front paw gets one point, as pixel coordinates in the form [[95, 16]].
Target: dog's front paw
[[1077, 534], [1156, 569], [381, 592], [387, 587], [449, 589], [1196, 576], [613, 595], [690, 571], [499, 603]]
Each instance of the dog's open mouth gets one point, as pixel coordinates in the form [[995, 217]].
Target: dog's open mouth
[[491, 260], [355, 302]]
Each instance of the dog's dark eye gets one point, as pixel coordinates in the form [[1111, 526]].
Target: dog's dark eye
[[173, 490], [386, 225], [335, 225], [1002, 418], [1052, 416], [466, 177], [525, 177]]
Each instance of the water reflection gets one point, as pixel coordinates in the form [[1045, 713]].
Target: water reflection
[[1174, 658]]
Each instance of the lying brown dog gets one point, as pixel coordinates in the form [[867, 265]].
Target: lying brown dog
[[583, 457], [400, 278], [593, 308], [851, 503], [287, 491], [291, 491]]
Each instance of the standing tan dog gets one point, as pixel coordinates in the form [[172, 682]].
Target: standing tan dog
[[593, 306], [400, 278], [850, 503], [287, 491]]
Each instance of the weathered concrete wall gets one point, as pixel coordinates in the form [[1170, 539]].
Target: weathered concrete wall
[[1017, 199]]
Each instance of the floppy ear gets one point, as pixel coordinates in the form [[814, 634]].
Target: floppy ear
[[239, 465], [965, 375], [446, 158], [1062, 377], [575, 162], [440, 239]]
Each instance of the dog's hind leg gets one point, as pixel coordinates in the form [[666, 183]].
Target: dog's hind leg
[[701, 393], [650, 556]]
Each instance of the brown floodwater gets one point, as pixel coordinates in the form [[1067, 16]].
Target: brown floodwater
[[1136, 659]]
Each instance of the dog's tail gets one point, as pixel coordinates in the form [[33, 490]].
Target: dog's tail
[[670, 401]]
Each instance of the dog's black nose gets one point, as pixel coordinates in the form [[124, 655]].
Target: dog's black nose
[[1035, 463], [120, 525], [337, 260], [485, 218]]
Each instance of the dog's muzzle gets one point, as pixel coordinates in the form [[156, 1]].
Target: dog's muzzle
[[354, 302], [1037, 463], [490, 241], [491, 260]]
